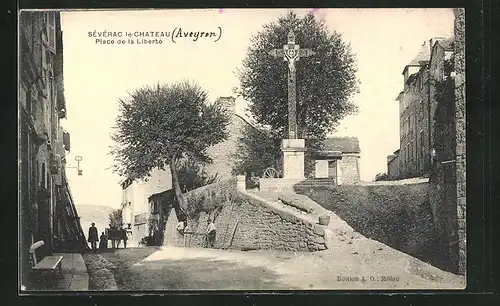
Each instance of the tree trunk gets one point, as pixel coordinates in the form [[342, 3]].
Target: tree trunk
[[177, 187]]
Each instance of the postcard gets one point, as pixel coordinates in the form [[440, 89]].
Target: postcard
[[242, 149]]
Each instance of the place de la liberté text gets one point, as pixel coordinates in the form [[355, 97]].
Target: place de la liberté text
[[151, 37]]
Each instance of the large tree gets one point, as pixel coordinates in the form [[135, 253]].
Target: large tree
[[160, 126], [326, 81]]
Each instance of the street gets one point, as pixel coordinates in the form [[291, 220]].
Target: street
[[170, 268]]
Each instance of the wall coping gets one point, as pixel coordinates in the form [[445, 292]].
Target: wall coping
[[412, 181], [284, 213]]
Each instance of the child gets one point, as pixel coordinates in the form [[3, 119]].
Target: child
[[211, 233], [103, 242]]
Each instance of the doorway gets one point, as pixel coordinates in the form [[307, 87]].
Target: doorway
[[332, 170]]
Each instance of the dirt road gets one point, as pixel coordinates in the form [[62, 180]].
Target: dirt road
[[170, 268]]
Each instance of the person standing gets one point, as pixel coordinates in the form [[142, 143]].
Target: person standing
[[211, 233], [103, 242], [93, 237]]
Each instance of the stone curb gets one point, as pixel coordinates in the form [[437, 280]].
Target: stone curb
[[99, 270]]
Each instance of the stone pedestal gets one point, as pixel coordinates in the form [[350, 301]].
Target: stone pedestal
[[241, 183], [293, 158]]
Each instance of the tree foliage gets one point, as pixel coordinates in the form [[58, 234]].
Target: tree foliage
[[115, 218], [192, 175], [326, 81], [161, 125], [257, 149]]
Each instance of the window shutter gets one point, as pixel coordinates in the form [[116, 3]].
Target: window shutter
[[51, 31]]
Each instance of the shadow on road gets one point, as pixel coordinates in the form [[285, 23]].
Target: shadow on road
[[187, 274]]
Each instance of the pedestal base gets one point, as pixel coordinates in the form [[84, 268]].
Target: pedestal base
[[293, 158]]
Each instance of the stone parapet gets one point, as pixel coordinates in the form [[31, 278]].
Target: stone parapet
[[277, 184]]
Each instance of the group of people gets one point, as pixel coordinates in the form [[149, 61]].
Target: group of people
[[93, 238], [103, 239]]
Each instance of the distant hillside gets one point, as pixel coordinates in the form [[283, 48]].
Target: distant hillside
[[93, 213]]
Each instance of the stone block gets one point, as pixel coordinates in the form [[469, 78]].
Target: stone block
[[318, 230], [241, 182], [461, 223], [321, 247], [318, 239], [293, 158], [288, 218], [293, 143]]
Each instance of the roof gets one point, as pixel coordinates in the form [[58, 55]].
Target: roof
[[342, 144], [447, 44], [422, 56]]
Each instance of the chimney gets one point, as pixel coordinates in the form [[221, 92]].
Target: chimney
[[229, 103]]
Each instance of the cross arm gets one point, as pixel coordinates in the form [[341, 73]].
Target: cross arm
[[306, 52], [277, 52]]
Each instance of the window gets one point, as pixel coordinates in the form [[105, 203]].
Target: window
[[409, 125], [42, 175]]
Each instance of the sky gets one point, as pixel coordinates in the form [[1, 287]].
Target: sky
[[97, 75]]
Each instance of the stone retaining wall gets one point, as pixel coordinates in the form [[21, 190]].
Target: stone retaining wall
[[399, 216], [247, 221]]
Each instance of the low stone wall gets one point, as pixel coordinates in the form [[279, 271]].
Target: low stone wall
[[247, 221], [277, 184]]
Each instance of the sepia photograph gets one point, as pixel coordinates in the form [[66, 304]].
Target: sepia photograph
[[241, 149]]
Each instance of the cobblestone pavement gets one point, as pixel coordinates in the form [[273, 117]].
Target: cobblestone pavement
[[374, 266]]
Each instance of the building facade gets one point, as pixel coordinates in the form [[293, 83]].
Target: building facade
[[137, 205], [339, 160], [439, 76], [417, 106], [46, 209]]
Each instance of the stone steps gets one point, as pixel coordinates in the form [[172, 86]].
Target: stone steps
[[316, 182]]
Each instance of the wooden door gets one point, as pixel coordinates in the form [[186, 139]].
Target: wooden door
[[332, 170]]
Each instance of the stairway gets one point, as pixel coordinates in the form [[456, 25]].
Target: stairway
[[72, 238], [315, 182]]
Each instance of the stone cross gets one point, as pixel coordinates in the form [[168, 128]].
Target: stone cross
[[292, 52]]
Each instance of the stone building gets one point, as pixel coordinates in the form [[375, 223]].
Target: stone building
[[417, 105], [46, 209], [339, 160], [447, 177], [222, 154], [393, 164], [138, 210], [443, 145]]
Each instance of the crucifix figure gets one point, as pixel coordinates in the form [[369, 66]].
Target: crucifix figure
[[291, 52]]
